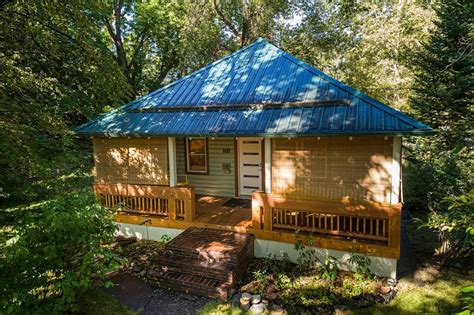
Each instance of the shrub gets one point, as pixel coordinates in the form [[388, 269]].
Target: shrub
[[468, 299], [57, 253], [362, 265], [455, 225], [308, 260]]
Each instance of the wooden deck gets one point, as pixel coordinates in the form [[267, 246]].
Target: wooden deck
[[366, 228], [209, 210]]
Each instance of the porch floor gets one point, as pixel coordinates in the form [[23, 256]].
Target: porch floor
[[210, 210]]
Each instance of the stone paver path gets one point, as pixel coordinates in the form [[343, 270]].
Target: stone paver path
[[138, 295]]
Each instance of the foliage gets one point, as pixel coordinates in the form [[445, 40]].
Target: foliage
[[57, 252], [309, 261], [468, 299], [329, 269], [441, 168], [56, 72], [362, 265], [368, 45], [456, 225]]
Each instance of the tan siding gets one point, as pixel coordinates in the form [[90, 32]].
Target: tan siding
[[137, 161], [333, 168], [217, 183]]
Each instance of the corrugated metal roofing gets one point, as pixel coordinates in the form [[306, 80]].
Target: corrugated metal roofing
[[258, 90]]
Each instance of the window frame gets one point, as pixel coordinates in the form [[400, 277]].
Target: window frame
[[187, 153]]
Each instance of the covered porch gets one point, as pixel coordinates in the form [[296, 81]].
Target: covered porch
[[369, 228]]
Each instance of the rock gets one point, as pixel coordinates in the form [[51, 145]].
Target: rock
[[232, 292], [257, 308], [137, 268], [244, 302], [236, 300], [386, 297], [246, 296], [391, 282], [266, 302], [385, 289], [142, 273], [244, 305], [256, 298]]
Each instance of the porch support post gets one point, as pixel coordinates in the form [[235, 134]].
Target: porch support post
[[396, 170], [172, 161], [268, 165]]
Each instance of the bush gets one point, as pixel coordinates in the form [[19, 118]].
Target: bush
[[455, 225], [57, 253]]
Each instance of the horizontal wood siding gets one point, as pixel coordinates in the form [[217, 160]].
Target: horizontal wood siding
[[133, 161], [333, 168], [219, 181]]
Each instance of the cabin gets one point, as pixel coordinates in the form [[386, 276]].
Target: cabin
[[263, 144]]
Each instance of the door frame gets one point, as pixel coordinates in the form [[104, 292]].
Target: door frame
[[237, 162]]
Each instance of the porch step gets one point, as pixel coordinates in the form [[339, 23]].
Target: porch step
[[204, 261]]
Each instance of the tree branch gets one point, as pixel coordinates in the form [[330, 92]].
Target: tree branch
[[51, 28], [116, 34], [227, 22]]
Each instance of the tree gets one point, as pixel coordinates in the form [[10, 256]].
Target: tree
[[59, 249], [444, 86], [441, 167], [244, 21], [367, 45], [56, 73]]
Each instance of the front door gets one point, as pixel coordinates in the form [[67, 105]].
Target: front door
[[250, 165]]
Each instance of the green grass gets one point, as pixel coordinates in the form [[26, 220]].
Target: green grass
[[97, 302], [219, 308], [440, 296]]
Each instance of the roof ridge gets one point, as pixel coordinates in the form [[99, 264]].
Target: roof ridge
[[372, 101]]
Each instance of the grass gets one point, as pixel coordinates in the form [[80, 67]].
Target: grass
[[440, 296], [219, 308], [97, 302]]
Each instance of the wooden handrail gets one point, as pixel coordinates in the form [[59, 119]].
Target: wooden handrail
[[348, 220], [175, 203]]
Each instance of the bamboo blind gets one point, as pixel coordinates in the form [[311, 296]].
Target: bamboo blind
[[333, 168], [138, 161]]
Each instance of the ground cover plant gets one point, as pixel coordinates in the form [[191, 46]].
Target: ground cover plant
[[314, 284]]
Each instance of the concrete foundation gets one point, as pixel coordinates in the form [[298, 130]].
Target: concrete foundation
[[385, 267]]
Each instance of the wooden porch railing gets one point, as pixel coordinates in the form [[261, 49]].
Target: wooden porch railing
[[349, 221], [175, 203]]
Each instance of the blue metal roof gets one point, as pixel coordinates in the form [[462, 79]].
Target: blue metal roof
[[258, 90]]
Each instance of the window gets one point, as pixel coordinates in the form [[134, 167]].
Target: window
[[196, 155]]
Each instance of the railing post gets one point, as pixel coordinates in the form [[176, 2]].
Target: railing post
[[257, 203], [267, 213], [190, 206], [172, 208], [394, 221], [260, 204]]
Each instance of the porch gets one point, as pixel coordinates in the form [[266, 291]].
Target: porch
[[370, 229]]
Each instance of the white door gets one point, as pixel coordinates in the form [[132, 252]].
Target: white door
[[250, 165]]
